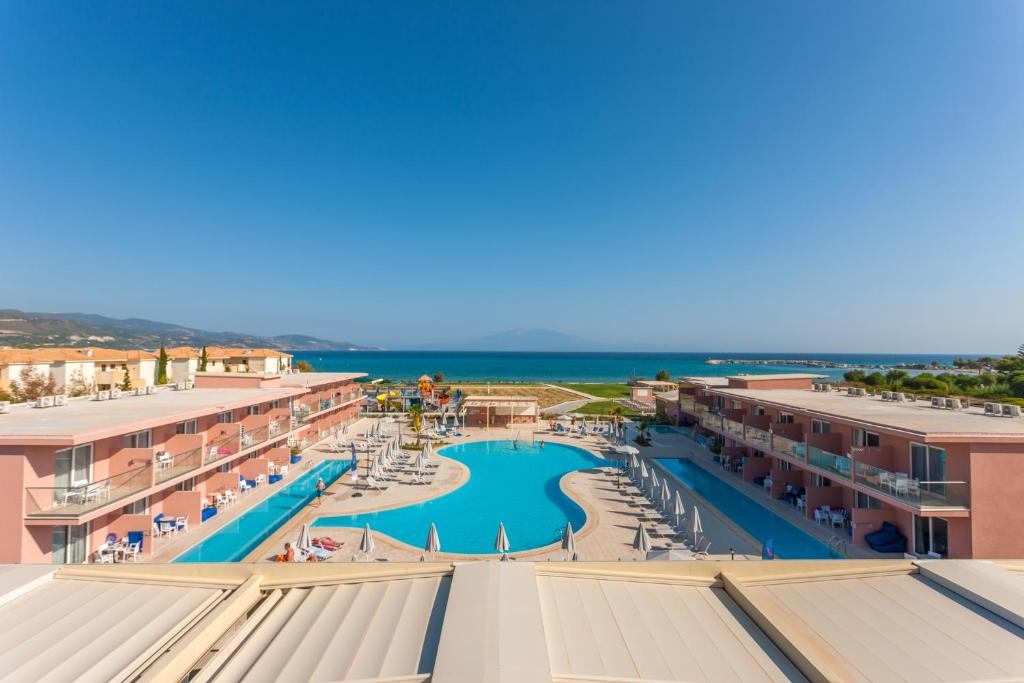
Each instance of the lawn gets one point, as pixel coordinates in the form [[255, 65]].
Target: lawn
[[548, 396], [601, 408], [601, 390]]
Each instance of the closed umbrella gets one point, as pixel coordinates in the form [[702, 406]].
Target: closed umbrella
[[643, 471], [642, 541], [501, 543], [303, 541], [366, 542], [633, 462], [433, 542], [569, 541], [679, 509], [665, 495], [654, 481], [697, 528]]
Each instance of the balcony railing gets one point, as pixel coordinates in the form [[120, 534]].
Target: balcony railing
[[304, 410], [709, 419], [73, 501], [902, 486], [171, 465], [222, 446], [837, 464], [794, 449], [686, 403], [759, 436], [732, 427]]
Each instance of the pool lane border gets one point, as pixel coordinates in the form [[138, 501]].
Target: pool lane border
[[588, 527]]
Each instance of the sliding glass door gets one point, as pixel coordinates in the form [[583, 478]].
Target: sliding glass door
[[71, 544]]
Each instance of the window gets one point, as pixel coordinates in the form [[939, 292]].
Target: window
[[863, 500], [139, 507], [72, 467], [928, 463], [71, 544], [226, 467], [785, 418], [187, 485], [274, 405], [931, 536], [253, 410], [736, 405], [783, 466], [819, 480], [186, 427], [143, 439], [757, 410], [864, 439], [224, 417], [820, 427]]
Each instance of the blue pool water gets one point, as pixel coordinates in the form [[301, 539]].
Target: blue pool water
[[240, 537], [789, 541], [517, 486], [663, 429]]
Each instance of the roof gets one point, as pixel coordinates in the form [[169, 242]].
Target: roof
[[780, 376], [499, 397], [84, 419], [312, 379], [655, 383], [64, 354], [221, 352], [916, 417], [667, 395], [706, 381], [517, 622]]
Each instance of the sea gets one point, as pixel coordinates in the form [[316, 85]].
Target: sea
[[558, 367]]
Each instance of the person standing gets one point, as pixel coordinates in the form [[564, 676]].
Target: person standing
[[320, 486]]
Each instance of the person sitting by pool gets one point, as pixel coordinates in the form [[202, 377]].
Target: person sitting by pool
[[288, 555], [327, 543]]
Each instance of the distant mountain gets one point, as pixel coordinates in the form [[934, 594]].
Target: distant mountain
[[18, 328], [530, 340]]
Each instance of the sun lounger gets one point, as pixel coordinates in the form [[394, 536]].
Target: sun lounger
[[320, 553], [372, 483]]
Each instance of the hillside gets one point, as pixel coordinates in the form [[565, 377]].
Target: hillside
[[19, 328]]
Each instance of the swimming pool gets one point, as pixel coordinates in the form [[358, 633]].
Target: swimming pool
[[515, 485], [789, 541], [240, 537], [664, 429]]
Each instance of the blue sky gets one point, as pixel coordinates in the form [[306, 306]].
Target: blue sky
[[803, 176]]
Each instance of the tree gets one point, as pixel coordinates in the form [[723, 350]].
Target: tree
[[1020, 350], [895, 378], [438, 377], [663, 376], [126, 381], [854, 376], [416, 413], [1017, 385], [32, 383], [204, 359], [77, 384], [875, 379], [303, 366], [618, 411], [161, 365]]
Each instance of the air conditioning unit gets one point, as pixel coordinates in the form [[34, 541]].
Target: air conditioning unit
[[179, 386], [938, 402], [898, 396], [150, 389], [190, 384], [852, 391], [862, 392], [60, 400], [993, 409], [886, 395], [5, 407], [102, 395], [953, 404], [115, 393], [1011, 410], [44, 402]]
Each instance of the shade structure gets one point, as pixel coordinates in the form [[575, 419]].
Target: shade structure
[[678, 508], [501, 543], [433, 543], [303, 541], [569, 540], [696, 526], [642, 541], [366, 542], [627, 450]]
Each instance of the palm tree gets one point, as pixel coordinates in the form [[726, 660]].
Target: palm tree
[[618, 412], [416, 413]]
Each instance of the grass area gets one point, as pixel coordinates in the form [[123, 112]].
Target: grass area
[[601, 390], [601, 408], [548, 396]]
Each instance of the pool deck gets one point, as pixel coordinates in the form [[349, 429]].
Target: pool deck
[[608, 534]]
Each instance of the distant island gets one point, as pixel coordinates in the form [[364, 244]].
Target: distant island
[[23, 329], [812, 363]]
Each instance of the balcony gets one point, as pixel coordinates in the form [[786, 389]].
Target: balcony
[[71, 502], [686, 403], [903, 487], [732, 428], [171, 465], [836, 464], [712, 420], [789, 447], [303, 411], [761, 437]]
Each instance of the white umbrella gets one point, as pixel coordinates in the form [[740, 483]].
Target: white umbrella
[[634, 463], [366, 543], [665, 495], [501, 543], [303, 541], [626, 450], [433, 542], [679, 509], [427, 451], [568, 540], [388, 420], [642, 541], [697, 528], [421, 462], [643, 470], [654, 481], [376, 470]]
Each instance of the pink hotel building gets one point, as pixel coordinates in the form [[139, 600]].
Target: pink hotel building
[[950, 479], [74, 473]]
